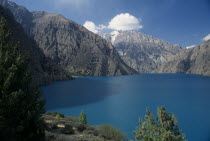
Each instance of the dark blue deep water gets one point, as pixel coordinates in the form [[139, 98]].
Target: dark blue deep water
[[121, 100]]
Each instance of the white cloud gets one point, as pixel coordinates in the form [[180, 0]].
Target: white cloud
[[124, 22], [101, 27], [190, 46], [91, 26], [121, 22], [207, 37]]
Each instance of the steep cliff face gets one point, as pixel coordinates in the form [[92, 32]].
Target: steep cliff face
[[74, 48], [140, 51], [193, 60], [42, 68]]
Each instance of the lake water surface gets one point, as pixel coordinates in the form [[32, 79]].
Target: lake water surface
[[121, 100]]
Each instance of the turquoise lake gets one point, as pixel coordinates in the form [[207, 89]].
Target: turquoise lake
[[121, 100]]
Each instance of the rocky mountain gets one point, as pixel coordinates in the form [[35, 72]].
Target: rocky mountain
[[140, 51], [43, 69], [73, 47], [194, 60]]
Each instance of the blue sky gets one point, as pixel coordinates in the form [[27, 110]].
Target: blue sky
[[185, 22]]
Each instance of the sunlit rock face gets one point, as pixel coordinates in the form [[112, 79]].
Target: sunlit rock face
[[194, 60], [140, 51], [73, 47]]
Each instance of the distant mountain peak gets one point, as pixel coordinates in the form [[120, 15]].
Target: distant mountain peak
[[114, 34], [192, 46], [141, 51]]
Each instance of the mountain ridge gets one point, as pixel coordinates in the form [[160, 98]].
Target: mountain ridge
[[140, 51], [79, 51], [194, 60], [70, 45], [42, 68]]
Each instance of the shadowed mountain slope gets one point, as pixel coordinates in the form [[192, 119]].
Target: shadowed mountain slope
[[43, 69], [73, 47]]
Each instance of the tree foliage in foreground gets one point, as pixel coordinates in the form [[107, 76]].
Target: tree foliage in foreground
[[163, 128], [83, 118], [20, 106]]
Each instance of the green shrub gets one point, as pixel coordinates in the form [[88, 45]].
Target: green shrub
[[59, 115], [55, 114], [162, 128], [51, 113], [83, 118], [110, 132]]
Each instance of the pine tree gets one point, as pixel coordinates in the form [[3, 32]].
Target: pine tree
[[83, 118], [163, 128], [20, 106]]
